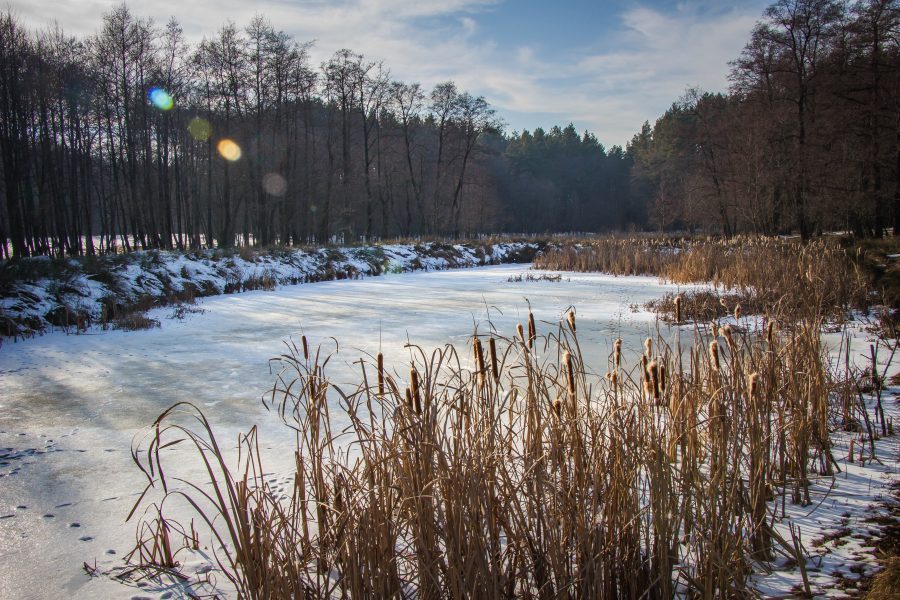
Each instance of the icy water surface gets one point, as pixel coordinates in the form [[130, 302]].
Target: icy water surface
[[71, 405]]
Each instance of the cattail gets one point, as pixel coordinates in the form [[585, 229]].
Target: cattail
[[648, 347], [380, 361], [495, 368], [662, 378], [770, 333], [751, 385], [532, 330], [414, 384], [653, 368], [571, 318], [521, 331], [618, 352], [556, 405], [613, 378], [722, 303], [570, 373], [678, 309], [725, 331], [714, 355], [479, 359], [305, 348], [409, 400], [715, 329], [737, 312]]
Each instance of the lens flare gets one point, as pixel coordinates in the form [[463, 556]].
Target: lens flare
[[200, 129], [228, 149], [160, 98], [274, 184]]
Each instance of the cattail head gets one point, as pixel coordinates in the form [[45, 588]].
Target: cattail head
[[532, 330], [648, 347], [662, 378], [571, 318], [521, 332], [305, 347], [752, 384], [770, 333], [737, 312], [714, 355], [495, 366], [479, 359], [678, 309], [570, 373], [556, 405], [613, 378], [725, 331], [380, 361], [618, 352], [715, 329], [416, 394], [653, 369]]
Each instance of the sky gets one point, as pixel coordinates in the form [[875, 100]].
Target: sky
[[605, 66]]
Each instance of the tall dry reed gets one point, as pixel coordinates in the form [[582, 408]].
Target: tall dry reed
[[513, 472]]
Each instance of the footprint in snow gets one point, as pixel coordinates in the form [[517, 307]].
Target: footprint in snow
[[74, 525], [85, 538]]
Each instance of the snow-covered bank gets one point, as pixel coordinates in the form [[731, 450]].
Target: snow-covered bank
[[39, 294]]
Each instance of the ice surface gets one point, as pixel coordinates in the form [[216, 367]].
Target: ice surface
[[71, 404]]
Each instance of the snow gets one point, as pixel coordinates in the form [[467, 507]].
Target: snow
[[72, 404], [127, 279]]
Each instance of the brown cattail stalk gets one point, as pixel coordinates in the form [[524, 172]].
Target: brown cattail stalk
[[414, 384], [653, 368], [380, 361], [305, 347], [618, 352], [495, 365], [570, 374], [532, 330], [479, 359], [714, 355], [521, 332], [571, 319]]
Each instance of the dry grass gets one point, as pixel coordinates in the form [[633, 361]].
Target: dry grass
[[512, 471], [776, 277]]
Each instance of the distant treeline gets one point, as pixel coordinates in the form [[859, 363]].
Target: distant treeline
[[133, 138], [807, 140]]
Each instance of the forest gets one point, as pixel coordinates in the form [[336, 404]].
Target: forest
[[134, 138]]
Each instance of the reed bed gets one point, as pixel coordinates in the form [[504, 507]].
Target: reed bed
[[512, 470], [792, 279]]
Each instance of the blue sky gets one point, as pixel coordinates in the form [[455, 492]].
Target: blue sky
[[604, 66]]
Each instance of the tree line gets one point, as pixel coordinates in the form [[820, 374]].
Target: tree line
[[133, 138], [807, 140]]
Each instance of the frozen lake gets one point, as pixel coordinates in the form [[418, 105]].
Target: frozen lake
[[71, 404]]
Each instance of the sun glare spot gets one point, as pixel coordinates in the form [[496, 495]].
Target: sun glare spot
[[274, 184], [228, 149], [160, 98], [200, 129]]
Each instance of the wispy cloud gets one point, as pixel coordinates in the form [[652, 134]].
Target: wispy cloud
[[644, 61]]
